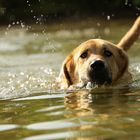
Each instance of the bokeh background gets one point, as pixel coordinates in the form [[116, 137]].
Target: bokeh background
[[50, 10]]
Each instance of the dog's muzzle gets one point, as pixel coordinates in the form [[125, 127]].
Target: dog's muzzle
[[99, 73]]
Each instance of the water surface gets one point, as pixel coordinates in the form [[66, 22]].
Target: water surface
[[31, 106]]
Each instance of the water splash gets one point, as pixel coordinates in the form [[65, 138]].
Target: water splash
[[126, 2], [24, 83], [108, 17]]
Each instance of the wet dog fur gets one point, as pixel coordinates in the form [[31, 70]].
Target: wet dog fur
[[99, 62]]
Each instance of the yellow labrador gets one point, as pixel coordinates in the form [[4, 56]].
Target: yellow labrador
[[99, 62]]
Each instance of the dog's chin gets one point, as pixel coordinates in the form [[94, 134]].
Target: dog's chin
[[96, 84], [83, 85], [92, 81], [89, 84], [100, 82], [100, 77]]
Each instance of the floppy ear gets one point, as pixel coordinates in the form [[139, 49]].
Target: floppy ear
[[122, 62], [131, 36], [66, 76]]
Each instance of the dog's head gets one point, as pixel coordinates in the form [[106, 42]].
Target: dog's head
[[95, 61]]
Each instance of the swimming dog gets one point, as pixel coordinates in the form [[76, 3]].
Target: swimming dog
[[99, 62]]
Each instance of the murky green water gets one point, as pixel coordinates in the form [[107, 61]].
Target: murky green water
[[31, 106]]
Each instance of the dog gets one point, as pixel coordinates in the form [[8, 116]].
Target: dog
[[99, 62]]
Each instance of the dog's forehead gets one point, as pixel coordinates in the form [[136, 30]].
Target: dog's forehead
[[97, 44]]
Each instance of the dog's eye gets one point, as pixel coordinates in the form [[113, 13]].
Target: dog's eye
[[107, 53], [84, 54]]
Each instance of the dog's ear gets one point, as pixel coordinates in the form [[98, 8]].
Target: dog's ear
[[122, 62], [66, 75], [130, 37]]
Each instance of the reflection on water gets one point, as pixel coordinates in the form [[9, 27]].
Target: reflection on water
[[33, 108], [105, 112]]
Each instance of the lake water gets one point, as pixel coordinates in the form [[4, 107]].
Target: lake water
[[33, 108]]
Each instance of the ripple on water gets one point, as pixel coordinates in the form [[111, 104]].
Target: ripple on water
[[51, 125], [5, 127], [52, 108], [47, 96], [28, 67], [59, 135]]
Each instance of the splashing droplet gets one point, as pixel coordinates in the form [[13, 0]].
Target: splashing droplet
[[17, 22], [9, 26], [126, 2], [108, 17], [13, 23], [32, 11], [98, 24]]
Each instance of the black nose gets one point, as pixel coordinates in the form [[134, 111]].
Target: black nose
[[97, 65], [99, 73]]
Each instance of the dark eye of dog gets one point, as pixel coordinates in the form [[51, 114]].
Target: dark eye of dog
[[107, 53], [84, 54]]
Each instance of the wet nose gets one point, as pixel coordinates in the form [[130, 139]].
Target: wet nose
[[97, 65]]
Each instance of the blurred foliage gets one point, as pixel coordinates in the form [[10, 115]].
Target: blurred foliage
[[30, 10], [136, 2]]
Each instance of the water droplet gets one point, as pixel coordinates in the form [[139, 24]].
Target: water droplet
[[126, 2], [27, 76], [12, 88], [9, 26], [129, 4], [98, 24], [35, 34], [138, 8], [5, 33], [22, 25], [13, 23], [17, 22], [108, 17], [22, 85], [18, 81], [112, 15], [107, 31], [21, 73]]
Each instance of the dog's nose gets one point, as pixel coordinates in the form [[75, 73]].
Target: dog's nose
[[99, 73], [97, 65]]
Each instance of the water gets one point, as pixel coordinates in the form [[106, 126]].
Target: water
[[31, 105]]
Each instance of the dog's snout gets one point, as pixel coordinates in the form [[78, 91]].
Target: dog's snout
[[98, 65], [99, 72]]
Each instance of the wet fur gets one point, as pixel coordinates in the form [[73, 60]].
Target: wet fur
[[74, 70]]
